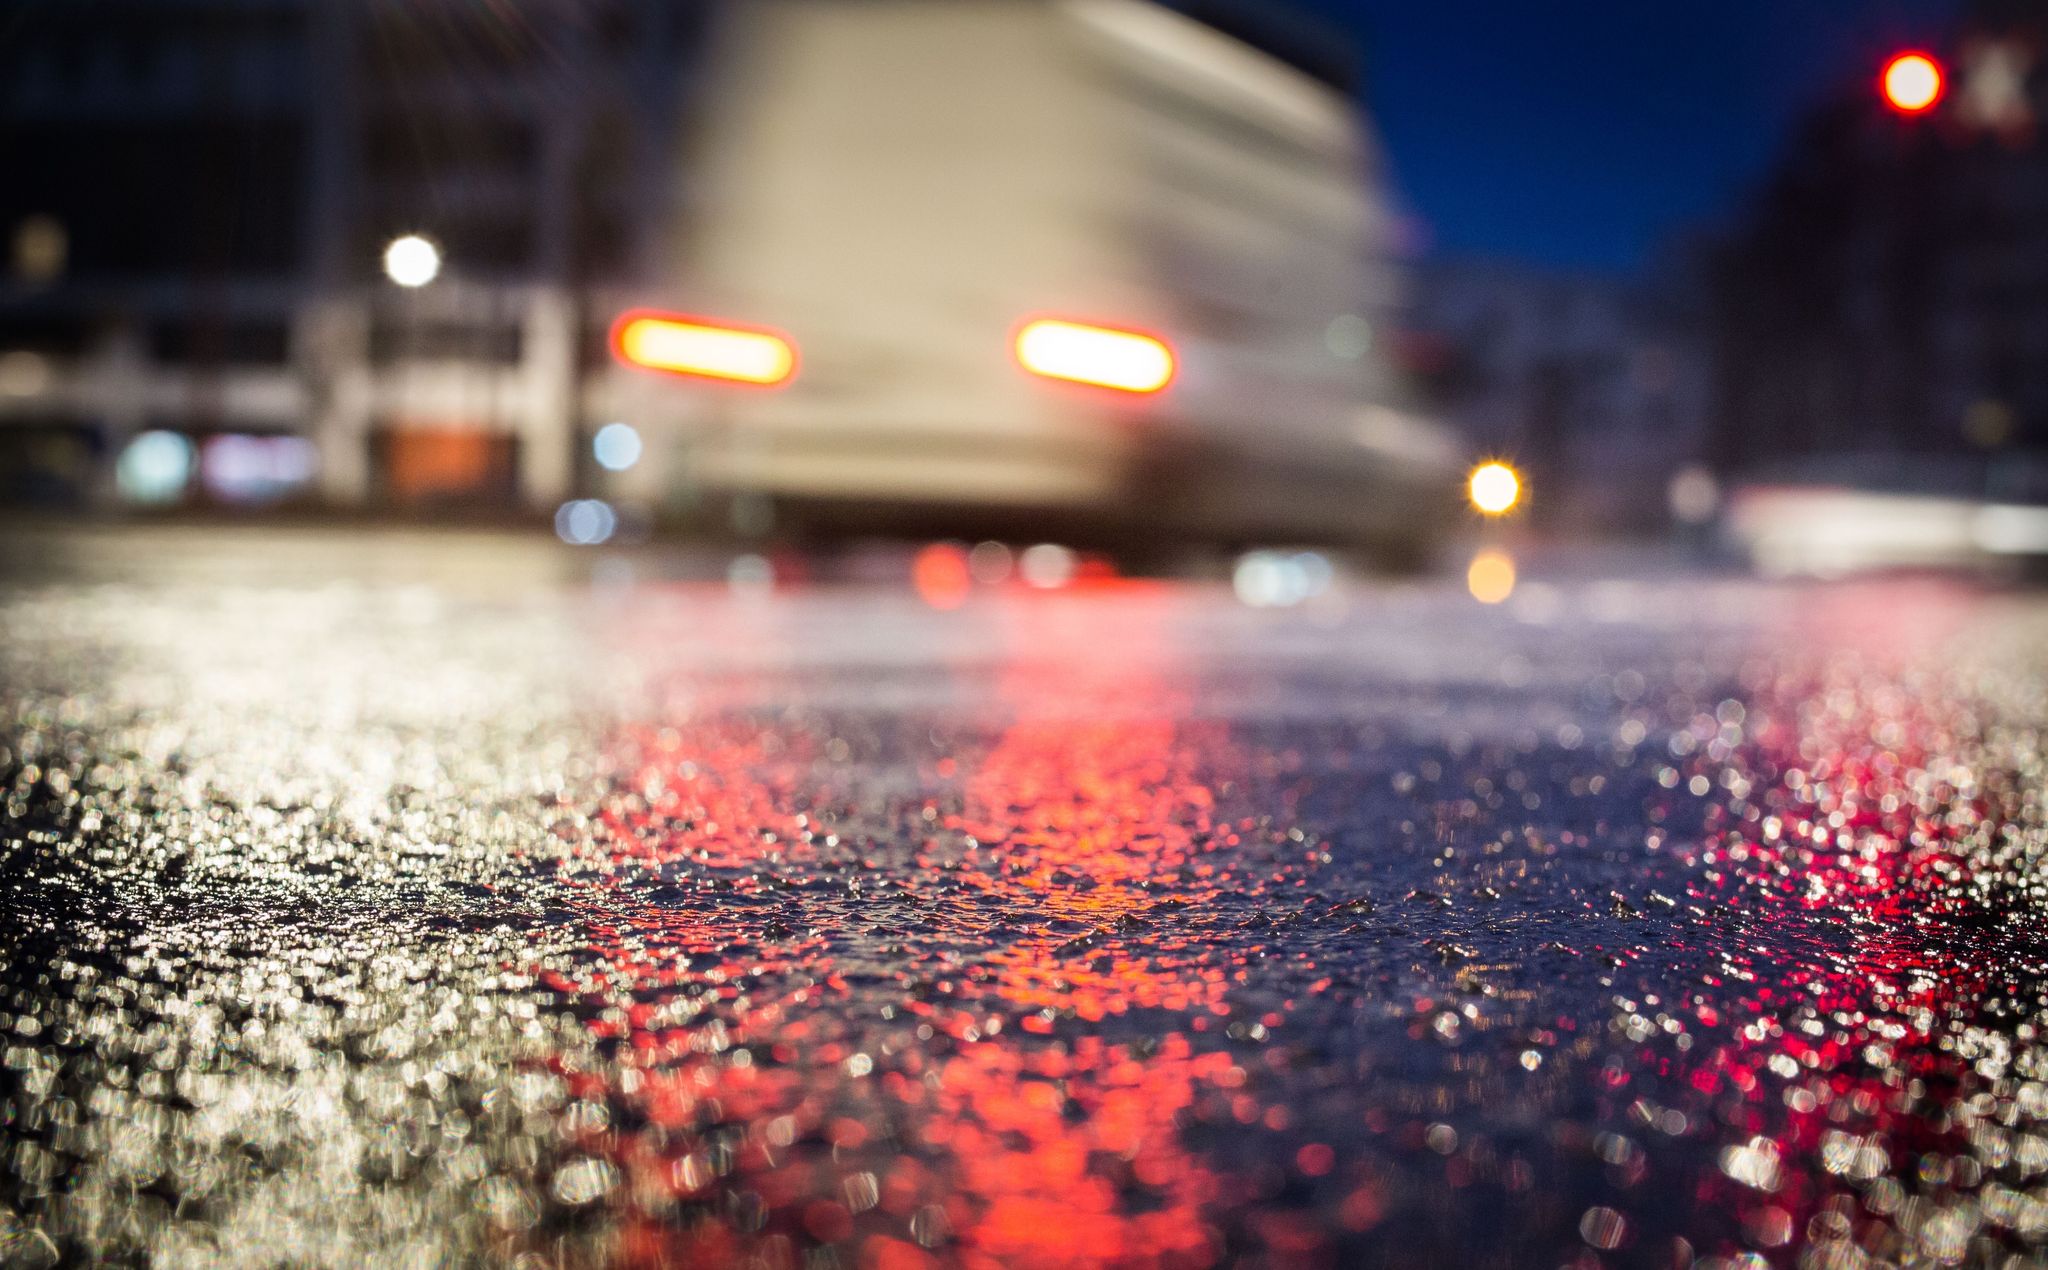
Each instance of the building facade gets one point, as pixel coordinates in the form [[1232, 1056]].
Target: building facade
[[1887, 291], [199, 194]]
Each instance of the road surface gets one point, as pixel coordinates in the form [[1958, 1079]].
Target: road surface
[[457, 909]]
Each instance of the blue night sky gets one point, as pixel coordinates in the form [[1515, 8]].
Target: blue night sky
[[1583, 133]]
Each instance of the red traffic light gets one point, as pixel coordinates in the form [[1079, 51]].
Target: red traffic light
[[1912, 83]]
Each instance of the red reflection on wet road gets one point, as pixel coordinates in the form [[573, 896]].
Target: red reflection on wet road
[[1091, 796], [990, 1016], [1867, 1059], [974, 1117]]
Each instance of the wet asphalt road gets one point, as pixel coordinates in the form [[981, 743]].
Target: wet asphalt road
[[494, 914]]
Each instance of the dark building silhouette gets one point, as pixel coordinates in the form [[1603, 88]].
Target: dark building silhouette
[[1888, 290]]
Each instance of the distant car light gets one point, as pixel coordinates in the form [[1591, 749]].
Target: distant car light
[[705, 349], [1048, 566], [941, 575], [240, 467], [1494, 488], [616, 447], [1275, 579], [1105, 357], [156, 467], [586, 522]]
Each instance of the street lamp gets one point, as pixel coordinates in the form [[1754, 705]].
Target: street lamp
[[412, 260], [1494, 488]]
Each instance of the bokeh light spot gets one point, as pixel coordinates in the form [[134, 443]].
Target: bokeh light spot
[[155, 468], [1491, 577], [617, 446]]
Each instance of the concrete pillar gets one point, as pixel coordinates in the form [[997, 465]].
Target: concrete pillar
[[332, 351], [546, 410], [115, 383]]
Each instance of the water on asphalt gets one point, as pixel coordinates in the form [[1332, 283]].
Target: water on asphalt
[[1655, 921]]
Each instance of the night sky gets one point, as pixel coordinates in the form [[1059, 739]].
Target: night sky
[[1584, 133]]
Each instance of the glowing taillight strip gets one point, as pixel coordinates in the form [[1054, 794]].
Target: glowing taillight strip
[[1103, 356], [703, 348]]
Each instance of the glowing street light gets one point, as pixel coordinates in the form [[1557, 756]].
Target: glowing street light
[[412, 260], [1912, 83], [1494, 488]]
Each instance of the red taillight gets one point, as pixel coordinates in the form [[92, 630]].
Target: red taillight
[[1103, 356], [704, 349]]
